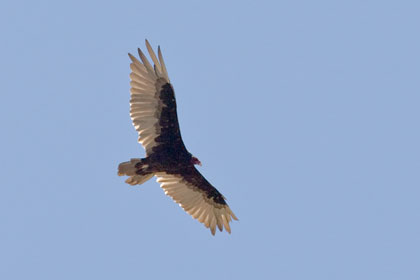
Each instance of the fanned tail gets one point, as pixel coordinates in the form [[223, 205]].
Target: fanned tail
[[129, 168]]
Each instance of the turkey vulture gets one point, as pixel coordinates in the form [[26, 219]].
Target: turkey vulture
[[153, 112]]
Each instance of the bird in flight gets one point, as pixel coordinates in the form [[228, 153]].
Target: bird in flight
[[154, 116]]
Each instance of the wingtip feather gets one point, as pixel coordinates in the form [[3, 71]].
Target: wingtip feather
[[152, 54], [133, 58], [162, 64], [146, 62]]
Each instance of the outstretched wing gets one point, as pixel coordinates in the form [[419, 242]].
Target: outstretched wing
[[152, 103], [197, 197]]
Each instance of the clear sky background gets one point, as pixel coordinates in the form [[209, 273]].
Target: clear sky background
[[305, 115]]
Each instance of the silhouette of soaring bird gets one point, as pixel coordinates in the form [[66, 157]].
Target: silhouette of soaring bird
[[153, 112]]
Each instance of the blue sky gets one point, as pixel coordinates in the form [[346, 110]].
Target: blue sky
[[305, 115]]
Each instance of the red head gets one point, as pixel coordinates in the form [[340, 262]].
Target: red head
[[195, 160]]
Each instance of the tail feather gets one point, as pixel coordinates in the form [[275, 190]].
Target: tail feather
[[138, 179], [128, 169]]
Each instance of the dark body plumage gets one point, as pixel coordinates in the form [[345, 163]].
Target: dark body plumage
[[154, 114]]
